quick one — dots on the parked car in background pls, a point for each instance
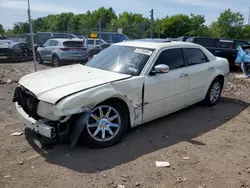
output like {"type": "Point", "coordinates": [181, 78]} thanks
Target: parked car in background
{"type": "Point", "coordinates": [93, 42]}
{"type": "Point", "coordinates": [157, 40]}
{"type": "Point", "coordinates": [128, 84]}
{"type": "Point", "coordinates": [183, 38]}
{"type": "Point", "coordinates": [62, 51]}
{"type": "Point", "coordinates": [220, 47]}
{"type": "Point", "coordinates": [92, 52]}
{"type": "Point", "coordinates": [11, 51]}
{"type": "Point", "coordinates": [42, 37]}
{"type": "Point", "coordinates": [112, 37]}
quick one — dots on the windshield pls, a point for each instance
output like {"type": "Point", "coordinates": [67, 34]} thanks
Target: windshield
{"type": "Point", "coordinates": [122, 59]}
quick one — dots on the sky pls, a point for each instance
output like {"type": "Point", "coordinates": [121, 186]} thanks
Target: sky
{"type": "Point", "coordinates": [12, 11]}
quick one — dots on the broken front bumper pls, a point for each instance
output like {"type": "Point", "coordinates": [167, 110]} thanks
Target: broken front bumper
{"type": "Point", "coordinates": [38, 126]}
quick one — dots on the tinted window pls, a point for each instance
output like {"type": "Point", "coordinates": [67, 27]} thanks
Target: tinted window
{"type": "Point", "coordinates": [206, 42]}
{"type": "Point", "coordinates": [97, 42]}
{"type": "Point", "coordinates": [53, 43]}
{"type": "Point", "coordinates": [194, 56]}
{"type": "Point", "coordinates": [241, 43]}
{"type": "Point", "coordinates": [225, 44]}
{"type": "Point", "coordinates": [173, 58]}
{"type": "Point", "coordinates": [90, 41]}
{"type": "Point", "coordinates": [73, 43]}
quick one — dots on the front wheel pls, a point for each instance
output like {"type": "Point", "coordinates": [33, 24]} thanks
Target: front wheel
{"type": "Point", "coordinates": [106, 126]}
{"type": "Point", "coordinates": [55, 61]}
{"type": "Point", "coordinates": [214, 92]}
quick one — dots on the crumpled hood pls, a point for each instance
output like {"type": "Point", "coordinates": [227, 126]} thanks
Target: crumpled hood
{"type": "Point", "coordinates": [53, 84]}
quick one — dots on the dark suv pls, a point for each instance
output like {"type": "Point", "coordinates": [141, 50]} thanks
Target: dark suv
{"type": "Point", "coordinates": [220, 47]}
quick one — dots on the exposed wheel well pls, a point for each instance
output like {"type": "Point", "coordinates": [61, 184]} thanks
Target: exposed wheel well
{"type": "Point", "coordinates": [221, 77]}
{"type": "Point", "coordinates": [120, 101]}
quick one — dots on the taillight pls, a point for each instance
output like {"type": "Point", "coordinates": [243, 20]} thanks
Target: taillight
{"type": "Point", "coordinates": [67, 49]}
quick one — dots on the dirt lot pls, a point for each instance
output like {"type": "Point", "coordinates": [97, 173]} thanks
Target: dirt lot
{"type": "Point", "coordinates": [215, 144]}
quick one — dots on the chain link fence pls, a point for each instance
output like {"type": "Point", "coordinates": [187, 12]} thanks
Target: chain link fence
{"type": "Point", "coordinates": [15, 35]}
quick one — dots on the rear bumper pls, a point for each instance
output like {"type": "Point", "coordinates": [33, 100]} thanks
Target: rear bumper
{"type": "Point", "coordinates": [36, 126]}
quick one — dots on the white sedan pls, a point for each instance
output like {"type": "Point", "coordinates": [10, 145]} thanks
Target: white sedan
{"type": "Point", "coordinates": [127, 84]}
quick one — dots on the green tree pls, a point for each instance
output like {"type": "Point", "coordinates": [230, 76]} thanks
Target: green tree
{"type": "Point", "coordinates": [197, 27]}
{"type": "Point", "coordinates": [246, 32]}
{"type": "Point", "coordinates": [177, 25]}
{"type": "Point", "coordinates": [229, 24]}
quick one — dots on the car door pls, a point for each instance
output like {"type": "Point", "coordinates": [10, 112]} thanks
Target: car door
{"type": "Point", "coordinates": [43, 51]}
{"type": "Point", "coordinates": [199, 71]}
{"type": "Point", "coordinates": [50, 48]}
{"type": "Point", "coordinates": [166, 92]}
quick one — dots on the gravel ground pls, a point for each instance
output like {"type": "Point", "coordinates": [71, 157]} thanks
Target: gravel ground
{"type": "Point", "coordinates": [206, 147]}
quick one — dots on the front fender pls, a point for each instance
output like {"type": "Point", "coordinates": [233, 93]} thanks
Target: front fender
{"type": "Point", "coordinates": [90, 98]}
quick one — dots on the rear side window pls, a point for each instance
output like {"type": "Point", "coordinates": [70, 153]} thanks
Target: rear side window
{"type": "Point", "coordinates": [225, 44]}
{"type": "Point", "coordinates": [73, 43]}
{"type": "Point", "coordinates": [97, 42]}
{"type": "Point", "coordinates": [90, 41]}
{"type": "Point", "coordinates": [53, 43]}
{"type": "Point", "coordinates": [194, 56]}
{"type": "Point", "coordinates": [206, 42]}
{"type": "Point", "coordinates": [172, 57]}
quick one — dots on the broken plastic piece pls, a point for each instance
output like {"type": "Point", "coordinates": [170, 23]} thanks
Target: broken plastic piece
{"type": "Point", "coordinates": [162, 164]}
{"type": "Point", "coordinates": [17, 134]}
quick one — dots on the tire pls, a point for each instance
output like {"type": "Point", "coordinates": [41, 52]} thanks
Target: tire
{"type": "Point", "coordinates": [55, 61]}
{"type": "Point", "coordinates": [118, 132]}
{"type": "Point", "coordinates": [214, 92]}
{"type": "Point", "coordinates": [39, 59]}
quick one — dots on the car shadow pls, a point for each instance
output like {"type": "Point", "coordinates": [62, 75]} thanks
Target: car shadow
{"type": "Point", "coordinates": [184, 125]}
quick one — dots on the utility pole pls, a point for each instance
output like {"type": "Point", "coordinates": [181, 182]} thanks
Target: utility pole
{"type": "Point", "coordinates": [249, 17]}
{"type": "Point", "coordinates": [100, 33]}
{"type": "Point", "coordinates": [32, 37]}
{"type": "Point", "coordinates": [151, 22]}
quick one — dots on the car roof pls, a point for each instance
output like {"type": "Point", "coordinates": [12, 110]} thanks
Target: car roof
{"type": "Point", "coordinates": [66, 39]}
{"type": "Point", "coordinates": [158, 40]}
{"type": "Point", "coordinates": [156, 45]}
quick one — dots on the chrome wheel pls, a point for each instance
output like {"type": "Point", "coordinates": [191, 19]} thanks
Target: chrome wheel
{"type": "Point", "coordinates": [215, 92]}
{"type": "Point", "coordinates": [104, 123]}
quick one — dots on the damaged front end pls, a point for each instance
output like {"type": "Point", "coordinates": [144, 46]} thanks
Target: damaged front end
{"type": "Point", "coordinates": [42, 117]}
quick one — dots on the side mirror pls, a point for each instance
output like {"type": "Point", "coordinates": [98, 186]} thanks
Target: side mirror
{"type": "Point", "coordinates": [162, 68]}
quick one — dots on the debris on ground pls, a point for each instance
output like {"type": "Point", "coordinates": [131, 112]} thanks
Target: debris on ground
{"type": "Point", "coordinates": [9, 81]}
{"type": "Point", "coordinates": [186, 158]}
{"type": "Point", "coordinates": [17, 134]}
{"type": "Point", "coordinates": [137, 183]}
{"type": "Point", "coordinates": [20, 163]}
{"type": "Point", "coordinates": [202, 186]}
{"type": "Point", "coordinates": [6, 177]}
{"type": "Point", "coordinates": [179, 180]}
{"type": "Point", "coordinates": [32, 167]}
{"type": "Point", "coordinates": [121, 186]}
{"type": "Point", "coordinates": [162, 164]}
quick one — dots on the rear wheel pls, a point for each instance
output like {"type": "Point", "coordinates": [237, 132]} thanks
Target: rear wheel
{"type": "Point", "coordinates": [39, 59]}
{"type": "Point", "coordinates": [106, 126]}
{"type": "Point", "coordinates": [214, 92]}
{"type": "Point", "coordinates": [55, 61]}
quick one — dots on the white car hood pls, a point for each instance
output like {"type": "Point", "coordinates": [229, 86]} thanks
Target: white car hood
{"type": "Point", "coordinates": [54, 84]}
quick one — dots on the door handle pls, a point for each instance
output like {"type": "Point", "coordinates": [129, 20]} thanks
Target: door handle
{"type": "Point", "coordinates": [210, 68]}
{"type": "Point", "coordinates": [217, 51]}
{"type": "Point", "coordinates": [183, 75]}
